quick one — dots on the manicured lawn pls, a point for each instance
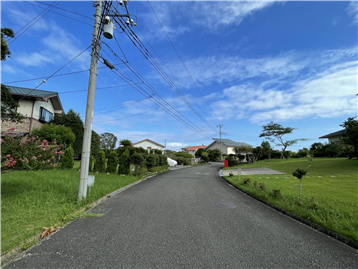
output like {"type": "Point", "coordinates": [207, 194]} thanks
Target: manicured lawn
{"type": "Point", "coordinates": [35, 199]}
{"type": "Point", "coordinates": [329, 190]}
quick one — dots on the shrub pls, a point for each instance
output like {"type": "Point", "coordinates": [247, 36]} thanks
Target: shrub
{"type": "Point", "coordinates": [255, 184]}
{"type": "Point", "coordinates": [199, 153]}
{"type": "Point", "coordinates": [100, 163]}
{"type": "Point", "coordinates": [205, 158]}
{"type": "Point", "coordinates": [30, 154]}
{"type": "Point", "coordinates": [276, 192]}
{"type": "Point", "coordinates": [151, 161]}
{"type": "Point", "coordinates": [233, 162]}
{"type": "Point", "coordinates": [95, 143]}
{"type": "Point", "coordinates": [246, 180]}
{"type": "Point", "coordinates": [162, 160]}
{"type": "Point", "coordinates": [140, 171]}
{"type": "Point", "coordinates": [179, 161]}
{"type": "Point", "coordinates": [52, 132]}
{"type": "Point", "coordinates": [262, 186]}
{"type": "Point", "coordinates": [74, 121]}
{"type": "Point", "coordinates": [67, 161]}
{"type": "Point", "coordinates": [124, 163]}
{"type": "Point", "coordinates": [231, 174]}
{"type": "Point", "coordinates": [112, 162]}
{"type": "Point", "coordinates": [139, 161]}
{"type": "Point", "coordinates": [184, 154]}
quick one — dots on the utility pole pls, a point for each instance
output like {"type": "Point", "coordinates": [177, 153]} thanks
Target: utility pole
{"type": "Point", "coordinates": [221, 153]}
{"type": "Point", "coordinates": [82, 188]}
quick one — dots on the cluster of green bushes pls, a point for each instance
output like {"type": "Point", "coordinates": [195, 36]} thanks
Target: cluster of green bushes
{"type": "Point", "coordinates": [119, 161]}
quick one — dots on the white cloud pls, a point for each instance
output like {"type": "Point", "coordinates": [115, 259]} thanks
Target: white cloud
{"type": "Point", "coordinates": [35, 59]}
{"type": "Point", "coordinates": [327, 94]}
{"type": "Point", "coordinates": [209, 15]}
{"type": "Point", "coordinates": [213, 15]}
{"type": "Point", "coordinates": [352, 11]}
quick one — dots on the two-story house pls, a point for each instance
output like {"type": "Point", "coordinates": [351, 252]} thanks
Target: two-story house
{"type": "Point", "coordinates": [38, 106]}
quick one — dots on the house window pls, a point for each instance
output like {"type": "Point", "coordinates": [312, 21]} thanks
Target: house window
{"type": "Point", "coordinates": [46, 116]}
{"type": "Point", "coordinates": [149, 148]}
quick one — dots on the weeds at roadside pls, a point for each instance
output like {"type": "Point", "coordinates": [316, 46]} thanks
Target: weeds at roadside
{"type": "Point", "coordinates": [246, 180]}
{"type": "Point", "coordinates": [262, 186]}
{"type": "Point", "coordinates": [255, 184]}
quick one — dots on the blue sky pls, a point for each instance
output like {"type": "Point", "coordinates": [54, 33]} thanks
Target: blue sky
{"type": "Point", "coordinates": [239, 64]}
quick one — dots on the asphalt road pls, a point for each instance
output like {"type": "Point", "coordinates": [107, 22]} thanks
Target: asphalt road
{"type": "Point", "coordinates": [172, 221]}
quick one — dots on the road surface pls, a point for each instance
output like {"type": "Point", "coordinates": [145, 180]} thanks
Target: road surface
{"type": "Point", "coordinates": [187, 218]}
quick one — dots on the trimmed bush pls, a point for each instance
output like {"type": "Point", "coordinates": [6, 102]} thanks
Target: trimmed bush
{"type": "Point", "coordinates": [140, 171]}
{"type": "Point", "coordinates": [139, 161]}
{"type": "Point", "coordinates": [112, 162]}
{"type": "Point", "coordinates": [124, 163]}
{"type": "Point", "coordinates": [100, 163]}
{"type": "Point", "coordinates": [184, 154]}
{"type": "Point", "coordinates": [55, 133]}
{"type": "Point", "coordinates": [151, 161]}
{"type": "Point", "coordinates": [205, 158]}
{"type": "Point", "coordinates": [67, 161]}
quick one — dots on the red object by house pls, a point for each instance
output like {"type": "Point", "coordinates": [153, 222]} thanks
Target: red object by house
{"type": "Point", "coordinates": [226, 163]}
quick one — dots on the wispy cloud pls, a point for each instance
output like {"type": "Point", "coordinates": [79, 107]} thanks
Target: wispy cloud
{"type": "Point", "coordinates": [325, 94]}
{"type": "Point", "coordinates": [212, 15]}
{"type": "Point", "coordinates": [352, 11]}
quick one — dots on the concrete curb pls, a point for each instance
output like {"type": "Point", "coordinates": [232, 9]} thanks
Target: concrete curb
{"type": "Point", "coordinates": [351, 243]}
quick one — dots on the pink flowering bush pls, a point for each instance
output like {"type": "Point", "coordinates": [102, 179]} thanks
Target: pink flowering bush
{"type": "Point", "coordinates": [31, 154]}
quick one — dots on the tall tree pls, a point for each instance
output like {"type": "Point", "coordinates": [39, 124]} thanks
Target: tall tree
{"type": "Point", "coordinates": [74, 121]}
{"type": "Point", "coordinates": [274, 133]}
{"type": "Point", "coordinates": [8, 107]}
{"type": "Point", "coordinates": [351, 137]}
{"type": "Point", "coordinates": [266, 148]}
{"type": "Point", "coordinates": [5, 52]}
{"type": "Point", "coordinates": [108, 141]}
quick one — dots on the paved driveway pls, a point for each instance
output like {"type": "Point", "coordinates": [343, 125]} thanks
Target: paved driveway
{"type": "Point", "coordinates": [187, 218]}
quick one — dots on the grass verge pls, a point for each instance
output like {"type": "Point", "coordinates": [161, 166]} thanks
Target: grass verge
{"type": "Point", "coordinates": [329, 192]}
{"type": "Point", "coordinates": [35, 199]}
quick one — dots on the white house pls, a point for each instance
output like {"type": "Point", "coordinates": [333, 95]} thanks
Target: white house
{"type": "Point", "coordinates": [37, 106]}
{"type": "Point", "coordinates": [227, 145]}
{"type": "Point", "coordinates": [148, 145]}
{"type": "Point", "coordinates": [334, 137]}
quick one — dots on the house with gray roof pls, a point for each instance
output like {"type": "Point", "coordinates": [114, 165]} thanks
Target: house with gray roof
{"type": "Point", "coordinates": [334, 137]}
{"type": "Point", "coordinates": [38, 106]}
{"type": "Point", "coordinates": [227, 145]}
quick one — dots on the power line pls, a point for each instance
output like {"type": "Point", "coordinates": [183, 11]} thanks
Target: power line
{"type": "Point", "coordinates": [65, 74]}
{"type": "Point", "coordinates": [59, 13]}
{"type": "Point", "coordinates": [56, 72]}
{"type": "Point", "coordinates": [128, 116]}
{"type": "Point", "coordinates": [163, 74]}
{"type": "Point", "coordinates": [28, 25]}
{"type": "Point", "coordinates": [85, 16]}
{"type": "Point", "coordinates": [181, 59]}
{"type": "Point", "coordinates": [101, 88]}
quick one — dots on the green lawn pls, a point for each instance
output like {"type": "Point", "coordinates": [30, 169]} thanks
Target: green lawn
{"type": "Point", "coordinates": [35, 199]}
{"type": "Point", "coordinates": [331, 182]}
